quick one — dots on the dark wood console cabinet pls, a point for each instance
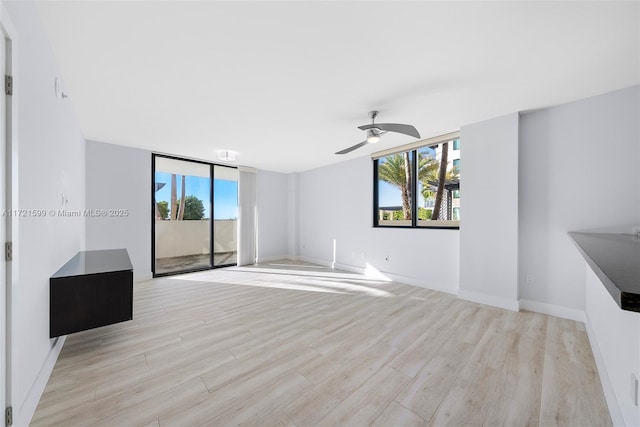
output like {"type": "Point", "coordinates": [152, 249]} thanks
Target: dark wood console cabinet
{"type": "Point", "coordinates": [93, 289]}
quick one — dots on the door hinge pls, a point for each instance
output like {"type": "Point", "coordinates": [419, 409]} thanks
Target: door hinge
{"type": "Point", "coordinates": [8, 416]}
{"type": "Point", "coordinates": [8, 251]}
{"type": "Point", "coordinates": [8, 85]}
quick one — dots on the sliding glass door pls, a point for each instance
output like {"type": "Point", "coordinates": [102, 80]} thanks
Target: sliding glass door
{"type": "Point", "coordinates": [225, 215]}
{"type": "Point", "coordinates": [186, 237]}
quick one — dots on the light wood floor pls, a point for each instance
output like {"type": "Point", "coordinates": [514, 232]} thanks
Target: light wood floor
{"type": "Point", "coordinates": [289, 344]}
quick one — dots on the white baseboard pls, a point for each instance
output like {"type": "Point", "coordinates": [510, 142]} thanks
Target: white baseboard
{"type": "Point", "coordinates": [260, 260]}
{"type": "Point", "coordinates": [23, 416]}
{"type": "Point", "coordinates": [422, 283]}
{"type": "Point", "coordinates": [553, 310]}
{"type": "Point", "coordinates": [492, 300]}
{"type": "Point", "coordinates": [383, 275]}
{"type": "Point", "coordinates": [314, 261]}
{"type": "Point", "coordinates": [355, 269]}
{"type": "Point", "coordinates": [612, 402]}
{"type": "Point", "coordinates": [143, 277]}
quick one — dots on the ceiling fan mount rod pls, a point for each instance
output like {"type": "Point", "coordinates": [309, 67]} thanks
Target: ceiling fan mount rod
{"type": "Point", "coordinates": [372, 115]}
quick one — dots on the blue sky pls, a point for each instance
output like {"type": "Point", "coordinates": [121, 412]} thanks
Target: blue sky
{"type": "Point", "coordinates": [225, 193]}
{"type": "Point", "coordinates": [389, 195]}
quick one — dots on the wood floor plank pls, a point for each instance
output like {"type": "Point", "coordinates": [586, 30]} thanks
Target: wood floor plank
{"type": "Point", "coordinates": [234, 393]}
{"type": "Point", "coordinates": [312, 406]}
{"type": "Point", "coordinates": [416, 355]}
{"type": "Point", "coordinates": [293, 344]}
{"type": "Point", "coordinates": [571, 390]}
{"type": "Point", "coordinates": [468, 402]}
{"type": "Point", "coordinates": [398, 416]}
{"type": "Point", "coordinates": [151, 410]}
{"type": "Point", "coordinates": [431, 384]}
{"type": "Point", "coordinates": [522, 371]}
{"type": "Point", "coordinates": [278, 419]}
{"type": "Point", "coordinates": [364, 405]}
{"type": "Point", "coordinates": [254, 410]}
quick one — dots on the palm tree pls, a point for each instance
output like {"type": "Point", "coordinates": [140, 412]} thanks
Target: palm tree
{"type": "Point", "coordinates": [177, 204]}
{"type": "Point", "coordinates": [174, 197]}
{"type": "Point", "coordinates": [428, 174]}
{"type": "Point", "coordinates": [442, 176]}
{"type": "Point", "coordinates": [396, 170]}
{"type": "Point", "coordinates": [182, 201]}
{"type": "Point", "coordinates": [429, 179]}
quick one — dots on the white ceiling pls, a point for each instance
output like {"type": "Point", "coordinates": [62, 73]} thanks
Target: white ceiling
{"type": "Point", "coordinates": [285, 84]}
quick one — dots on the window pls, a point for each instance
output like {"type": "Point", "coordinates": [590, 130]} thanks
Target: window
{"type": "Point", "coordinates": [394, 189]}
{"type": "Point", "coordinates": [456, 144]}
{"type": "Point", "coordinates": [225, 215]}
{"type": "Point", "coordinates": [418, 186]}
{"type": "Point", "coordinates": [186, 236]}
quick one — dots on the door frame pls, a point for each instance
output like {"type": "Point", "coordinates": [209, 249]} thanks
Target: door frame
{"type": "Point", "coordinates": [8, 282]}
{"type": "Point", "coordinates": [211, 206]}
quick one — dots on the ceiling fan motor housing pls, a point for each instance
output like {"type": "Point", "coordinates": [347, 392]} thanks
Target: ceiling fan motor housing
{"type": "Point", "coordinates": [373, 132]}
{"type": "Point", "coordinates": [373, 135]}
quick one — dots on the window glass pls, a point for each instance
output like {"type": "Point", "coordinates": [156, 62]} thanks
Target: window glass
{"type": "Point", "coordinates": [182, 199]}
{"type": "Point", "coordinates": [394, 189]}
{"type": "Point", "coordinates": [436, 195]}
{"type": "Point", "coordinates": [191, 229]}
{"type": "Point", "coordinates": [432, 173]}
{"type": "Point", "coordinates": [225, 215]}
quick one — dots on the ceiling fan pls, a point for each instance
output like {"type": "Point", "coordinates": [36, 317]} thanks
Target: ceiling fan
{"type": "Point", "coordinates": [376, 130]}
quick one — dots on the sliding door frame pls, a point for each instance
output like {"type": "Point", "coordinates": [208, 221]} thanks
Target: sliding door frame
{"type": "Point", "coordinates": [211, 207]}
{"type": "Point", "coordinates": [213, 177]}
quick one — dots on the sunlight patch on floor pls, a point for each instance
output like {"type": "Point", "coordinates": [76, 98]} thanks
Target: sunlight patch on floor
{"type": "Point", "coordinates": [371, 271]}
{"type": "Point", "coordinates": [326, 281]}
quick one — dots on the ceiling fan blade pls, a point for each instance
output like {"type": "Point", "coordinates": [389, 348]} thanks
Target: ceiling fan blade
{"type": "Point", "coordinates": [393, 127]}
{"type": "Point", "coordinates": [350, 149]}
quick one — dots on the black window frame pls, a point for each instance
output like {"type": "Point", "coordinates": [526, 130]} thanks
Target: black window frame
{"type": "Point", "coordinates": [414, 191]}
{"type": "Point", "coordinates": [153, 216]}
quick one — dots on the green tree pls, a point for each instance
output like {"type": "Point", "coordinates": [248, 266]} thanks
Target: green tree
{"type": "Point", "coordinates": [395, 170]}
{"type": "Point", "coordinates": [174, 197]}
{"type": "Point", "coordinates": [193, 208]}
{"type": "Point", "coordinates": [442, 177]}
{"type": "Point", "coordinates": [182, 201]}
{"type": "Point", "coordinates": [430, 182]}
{"type": "Point", "coordinates": [424, 213]}
{"type": "Point", "coordinates": [163, 209]}
{"type": "Point", "coordinates": [433, 184]}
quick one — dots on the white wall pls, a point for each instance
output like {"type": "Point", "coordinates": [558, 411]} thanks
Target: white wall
{"type": "Point", "coordinates": [614, 335]}
{"type": "Point", "coordinates": [51, 166]}
{"type": "Point", "coordinates": [3, 185]}
{"type": "Point", "coordinates": [293, 229]}
{"type": "Point", "coordinates": [272, 208]}
{"type": "Point", "coordinates": [578, 170]}
{"type": "Point", "coordinates": [120, 178]}
{"type": "Point", "coordinates": [335, 204]}
{"type": "Point", "coordinates": [489, 196]}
